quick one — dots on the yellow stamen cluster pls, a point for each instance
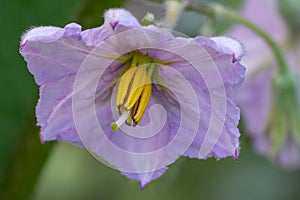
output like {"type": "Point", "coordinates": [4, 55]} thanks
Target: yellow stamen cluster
{"type": "Point", "coordinates": [134, 91]}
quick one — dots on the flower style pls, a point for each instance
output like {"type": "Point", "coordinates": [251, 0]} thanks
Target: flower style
{"type": "Point", "coordinates": [269, 103]}
{"type": "Point", "coordinates": [136, 96]}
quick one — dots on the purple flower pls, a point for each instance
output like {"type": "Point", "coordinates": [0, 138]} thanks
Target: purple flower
{"type": "Point", "coordinates": [270, 114]}
{"type": "Point", "coordinates": [136, 96]}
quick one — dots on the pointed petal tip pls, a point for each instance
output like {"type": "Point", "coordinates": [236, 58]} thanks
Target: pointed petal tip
{"type": "Point", "coordinates": [116, 13]}
{"type": "Point", "coordinates": [119, 16]}
{"type": "Point", "coordinates": [49, 33]}
{"type": "Point", "coordinates": [230, 46]}
{"type": "Point", "coordinates": [72, 30]}
{"type": "Point", "coordinates": [38, 33]}
{"type": "Point", "coordinates": [42, 139]}
{"type": "Point", "coordinates": [142, 185]}
{"type": "Point", "coordinates": [145, 178]}
{"type": "Point", "coordinates": [236, 155]}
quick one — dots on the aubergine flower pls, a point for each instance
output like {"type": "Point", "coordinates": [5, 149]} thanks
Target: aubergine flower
{"type": "Point", "coordinates": [270, 101]}
{"type": "Point", "coordinates": [136, 96]}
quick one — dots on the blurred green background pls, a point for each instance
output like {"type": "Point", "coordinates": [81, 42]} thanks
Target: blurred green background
{"type": "Point", "coordinates": [71, 172]}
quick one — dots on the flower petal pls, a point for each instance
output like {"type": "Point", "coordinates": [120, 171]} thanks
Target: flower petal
{"type": "Point", "coordinates": [53, 53]}
{"type": "Point", "coordinates": [54, 56]}
{"type": "Point", "coordinates": [94, 36]}
{"type": "Point", "coordinates": [54, 112]}
{"type": "Point", "coordinates": [145, 178]}
{"type": "Point", "coordinates": [215, 82]}
{"type": "Point", "coordinates": [120, 19]}
{"type": "Point", "coordinates": [227, 45]}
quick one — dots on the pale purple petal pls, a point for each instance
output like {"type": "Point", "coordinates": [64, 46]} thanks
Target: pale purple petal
{"type": "Point", "coordinates": [54, 56]}
{"type": "Point", "coordinates": [43, 33]}
{"type": "Point", "coordinates": [221, 57]}
{"type": "Point", "coordinates": [121, 19]}
{"type": "Point", "coordinates": [95, 36]}
{"type": "Point", "coordinates": [54, 112]}
{"type": "Point", "coordinates": [228, 46]}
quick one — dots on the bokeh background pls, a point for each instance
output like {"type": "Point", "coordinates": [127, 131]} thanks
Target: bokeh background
{"type": "Point", "coordinates": [30, 170]}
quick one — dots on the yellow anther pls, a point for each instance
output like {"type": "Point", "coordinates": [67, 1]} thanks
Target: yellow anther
{"type": "Point", "coordinates": [125, 83]}
{"type": "Point", "coordinates": [142, 104]}
{"type": "Point", "coordinates": [137, 86]}
{"type": "Point", "coordinates": [134, 91]}
{"type": "Point", "coordinates": [124, 87]}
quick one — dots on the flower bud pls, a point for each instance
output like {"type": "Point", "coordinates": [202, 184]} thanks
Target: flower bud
{"type": "Point", "coordinates": [284, 118]}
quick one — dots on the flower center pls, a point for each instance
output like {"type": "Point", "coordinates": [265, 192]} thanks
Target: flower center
{"type": "Point", "coordinates": [134, 91]}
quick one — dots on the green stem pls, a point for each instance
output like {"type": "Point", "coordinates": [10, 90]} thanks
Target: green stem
{"type": "Point", "coordinates": [220, 11]}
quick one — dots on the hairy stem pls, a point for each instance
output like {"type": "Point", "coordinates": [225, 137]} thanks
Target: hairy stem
{"type": "Point", "coordinates": [216, 10]}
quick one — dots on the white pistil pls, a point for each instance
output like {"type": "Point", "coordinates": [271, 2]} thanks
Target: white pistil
{"type": "Point", "coordinates": [115, 125]}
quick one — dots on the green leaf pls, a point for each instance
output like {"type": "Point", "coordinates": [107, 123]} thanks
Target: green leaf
{"type": "Point", "coordinates": [25, 164]}
{"type": "Point", "coordinates": [19, 92]}
{"type": "Point", "coordinates": [21, 154]}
